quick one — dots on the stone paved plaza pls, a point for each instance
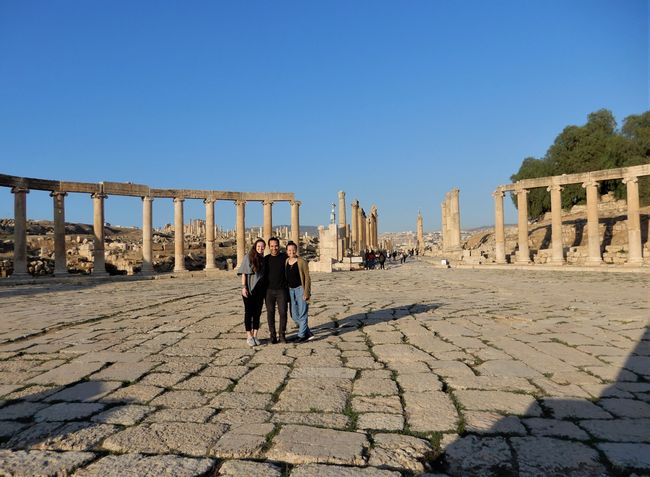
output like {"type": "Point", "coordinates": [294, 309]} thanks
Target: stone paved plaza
{"type": "Point", "coordinates": [416, 370]}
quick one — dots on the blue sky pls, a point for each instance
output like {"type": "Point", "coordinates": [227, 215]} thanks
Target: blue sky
{"type": "Point", "coordinates": [393, 102]}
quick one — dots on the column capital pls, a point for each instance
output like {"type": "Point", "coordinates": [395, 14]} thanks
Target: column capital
{"type": "Point", "coordinates": [341, 194]}
{"type": "Point", "coordinates": [296, 203]}
{"type": "Point", "coordinates": [149, 198]}
{"type": "Point", "coordinates": [240, 202]}
{"type": "Point", "coordinates": [209, 200]}
{"type": "Point", "coordinates": [58, 193]}
{"type": "Point", "coordinates": [498, 193]}
{"type": "Point", "coordinates": [99, 195]}
{"type": "Point", "coordinates": [267, 202]}
{"type": "Point", "coordinates": [179, 199]}
{"type": "Point", "coordinates": [521, 191]}
{"type": "Point", "coordinates": [17, 189]}
{"type": "Point", "coordinates": [355, 204]}
{"type": "Point", "coordinates": [590, 183]}
{"type": "Point", "coordinates": [631, 179]}
{"type": "Point", "coordinates": [555, 187]}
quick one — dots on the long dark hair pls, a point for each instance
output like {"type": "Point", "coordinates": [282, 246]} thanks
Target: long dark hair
{"type": "Point", "coordinates": [254, 258]}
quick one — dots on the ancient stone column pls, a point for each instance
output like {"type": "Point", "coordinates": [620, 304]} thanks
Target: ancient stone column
{"type": "Point", "coordinates": [499, 227]}
{"type": "Point", "coordinates": [60, 267]}
{"type": "Point", "coordinates": [343, 227]}
{"type": "Point", "coordinates": [147, 236]}
{"type": "Point", "coordinates": [361, 229]}
{"type": "Point", "coordinates": [267, 230]}
{"type": "Point", "coordinates": [373, 227]}
{"type": "Point", "coordinates": [593, 235]}
{"type": "Point", "coordinates": [99, 261]}
{"type": "Point", "coordinates": [295, 222]}
{"type": "Point", "coordinates": [241, 230]}
{"type": "Point", "coordinates": [454, 219]}
{"type": "Point", "coordinates": [444, 231]}
{"type": "Point", "coordinates": [20, 232]}
{"type": "Point", "coordinates": [523, 256]}
{"type": "Point", "coordinates": [368, 239]}
{"type": "Point", "coordinates": [635, 256]}
{"type": "Point", "coordinates": [420, 233]}
{"type": "Point", "coordinates": [209, 234]}
{"type": "Point", "coordinates": [179, 236]}
{"type": "Point", "coordinates": [557, 247]}
{"type": "Point", "coordinates": [355, 227]}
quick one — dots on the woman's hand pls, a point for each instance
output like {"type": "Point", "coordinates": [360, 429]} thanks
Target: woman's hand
{"type": "Point", "coordinates": [305, 297]}
{"type": "Point", "coordinates": [244, 292]}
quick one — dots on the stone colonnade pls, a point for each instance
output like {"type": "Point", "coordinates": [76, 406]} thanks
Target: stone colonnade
{"type": "Point", "coordinates": [554, 185]}
{"type": "Point", "coordinates": [364, 232]}
{"type": "Point", "coordinates": [420, 232]}
{"type": "Point", "coordinates": [450, 209]}
{"type": "Point", "coordinates": [20, 187]}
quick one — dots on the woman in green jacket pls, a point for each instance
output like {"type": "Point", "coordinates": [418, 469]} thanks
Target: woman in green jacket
{"type": "Point", "coordinates": [299, 282]}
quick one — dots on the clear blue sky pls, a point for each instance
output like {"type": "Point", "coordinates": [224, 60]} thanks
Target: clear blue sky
{"type": "Point", "coordinates": [393, 102]}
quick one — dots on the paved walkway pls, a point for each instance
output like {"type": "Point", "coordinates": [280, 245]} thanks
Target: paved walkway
{"type": "Point", "coordinates": [415, 371]}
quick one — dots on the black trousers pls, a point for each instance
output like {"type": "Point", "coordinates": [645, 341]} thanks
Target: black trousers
{"type": "Point", "coordinates": [253, 308]}
{"type": "Point", "coordinates": [281, 298]}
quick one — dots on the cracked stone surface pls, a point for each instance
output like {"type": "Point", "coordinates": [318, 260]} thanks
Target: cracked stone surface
{"type": "Point", "coordinates": [545, 373]}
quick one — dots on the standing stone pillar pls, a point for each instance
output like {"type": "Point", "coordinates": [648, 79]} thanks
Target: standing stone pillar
{"type": "Point", "coordinates": [343, 226]}
{"type": "Point", "coordinates": [355, 227]}
{"type": "Point", "coordinates": [99, 260]}
{"type": "Point", "coordinates": [241, 230]}
{"type": "Point", "coordinates": [147, 236]}
{"type": "Point", "coordinates": [635, 254]}
{"type": "Point", "coordinates": [443, 230]}
{"type": "Point", "coordinates": [523, 256]}
{"type": "Point", "coordinates": [454, 219]}
{"type": "Point", "coordinates": [60, 266]}
{"type": "Point", "coordinates": [499, 227]}
{"type": "Point", "coordinates": [267, 230]}
{"type": "Point", "coordinates": [420, 233]}
{"type": "Point", "coordinates": [20, 232]}
{"type": "Point", "coordinates": [295, 222]}
{"type": "Point", "coordinates": [179, 236]}
{"type": "Point", "coordinates": [361, 223]}
{"type": "Point", "coordinates": [209, 234]}
{"type": "Point", "coordinates": [593, 235]}
{"type": "Point", "coordinates": [557, 247]}
{"type": "Point", "coordinates": [373, 228]}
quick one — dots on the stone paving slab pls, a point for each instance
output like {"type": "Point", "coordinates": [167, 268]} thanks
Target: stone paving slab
{"type": "Point", "coordinates": [539, 370]}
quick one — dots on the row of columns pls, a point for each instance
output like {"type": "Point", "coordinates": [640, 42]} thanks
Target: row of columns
{"type": "Point", "coordinates": [99, 268]}
{"type": "Point", "coordinates": [364, 228]}
{"type": "Point", "coordinates": [594, 257]}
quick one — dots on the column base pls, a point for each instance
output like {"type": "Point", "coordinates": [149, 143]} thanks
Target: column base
{"type": "Point", "coordinates": [176, 270]}
{"type": "Point", "coordinates": [635, 262]}
{"type": "Point", "coordinates": [594, 262]}
{"type": "Point", "coordinates": [557, 262]}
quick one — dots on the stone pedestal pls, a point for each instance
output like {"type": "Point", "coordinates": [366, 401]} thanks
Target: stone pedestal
{"type": "Point", "coordinates": [593, 234]}
{"type": "Point", "coordinates": [635, 256]}
{"type": "Point", "coordinates": [179, 236]}
{"type": "Point", "coordinates": [20, 232]}
{"type": "Point", "coordinates": [523, 255]}
{"type": "Point", "coordinates": [209, 234]}
{"type": "Point", "coordinates": [99, 260]}
{"type": "Point", "coordinates": [241, 230]}
{"type": "Point", "coordinates": [147, 236]}
{"type": "Point", "coordinates": [499, 227]}
{"type": "Point", "coordinates": [557, 247]}
{"type": "Point", "coordinates": [60, 258]}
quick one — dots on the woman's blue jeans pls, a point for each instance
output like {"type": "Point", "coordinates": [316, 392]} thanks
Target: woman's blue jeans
{"type": "Point", "coordinates": [299, 309]}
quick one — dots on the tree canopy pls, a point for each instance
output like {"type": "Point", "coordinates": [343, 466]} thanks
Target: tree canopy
{"type": "Point", "coordinates": [596, 145]}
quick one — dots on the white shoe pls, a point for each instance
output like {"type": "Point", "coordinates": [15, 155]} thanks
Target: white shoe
{"type": "Point", "coordinates": [257, 342]}
{"type": "Point", "coordinates": [250, 341]}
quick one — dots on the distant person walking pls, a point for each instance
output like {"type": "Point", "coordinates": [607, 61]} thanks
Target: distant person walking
{"type": "Point", "coordinates": [253, 289]}
{"type": "Point", "coordinates": [277, 292]}
{"type": "Point", "coordinates": [299, 282]}
{"type": "Point", "coordinates": [382, 260]}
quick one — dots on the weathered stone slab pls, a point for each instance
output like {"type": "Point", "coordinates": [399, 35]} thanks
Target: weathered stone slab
{"type": "Point", "coordinates": [509, 367]}
{"type": "Point", "coordinates": [204, 384]}
{"type": "Point", "coordinates": [242, 468]}
{"type": "Point", "coordinates": [619, 430]}
{"type": "Point", "coordinates": [245, 441]}
{"type": "Point", "coordinates": [317, 394]}
{"type": "Point", "coordinates": [85, 391]}
{"type": "Point", "coordinates": [238, 417]}
{"type": "Point", "coordinates": [575, 408]}
{"type": "Point", "coordinates": [265, 378]}
{"type": "Point", "coordinates": [330, 420]}
{"type": "Point", "coordinates": [627, 456]}
{"type": "Point", "coordinates": [630, 408]}
{"type": "Point", "coordinates": [20, 410]}
{"type": "Point", "coordinates": [227, 372]}
{"type": "Point", "coordinates": [510, 403]}
{"type": "Point", "coordinates": [492, 423]}
{"type": "Point", "coordinates": [200, 414]}
{"type": "Point", "coordinates": [400, 452]}
{"type": "Point", "coordinates": [302, 444]}
{"type": "Point", "coordinates": [479, 456]}
{"type": "Point", "coordinates": [320, 470]}
{"type": "Point", "coordinates": [383, 404]}
{"type": "Point", "coordinates": [136, 393]}
{"type": "Point", "coordinates": [400, 353]}
{"type": "Point", "coordinates": [362, 362]}
{"type": "Point", "coordinates": [66, 374]}
{"type": "Point", "coordinates": [371, 387]}
{"type": "Point", "coordinates": [163, 380]}
{"type": "Point", "coordinates": [124, 371]}
{"type": "Point", "coordinates": [181, 399]}
{"type": "Point", "coordinates": [123, 415]}
{"type": "Point", "coordinates": [76, 436]}
{"type": "Point", "coordinates": [138, 465]}
{"type": "Point", "coordinates": [165, 438]}
{"type": "Point", "coordinates": [430, 412]}
{"type": "Point", "coordinates": [544, 456]}
{"type": "Point", "coordinates": [380, 421]}
{"type": "Point", "coordinates": [42, 463]}
{"type": "Point", "coordinates": [419, 382]}
{"type": "Point", "coordinates": [67, 411]}
{"type": "Point", "coordinates": [235, 400]}
{"type": "Point", "coordinates": [339, 372]}
{"type": "Point", "coordinates": [10, 428]}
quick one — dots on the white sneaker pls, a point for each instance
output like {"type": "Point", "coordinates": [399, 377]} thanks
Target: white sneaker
{"type": "Point", "coordinates": [250, 341]}
{"type": "Point", "coordinates": [257, 342]}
